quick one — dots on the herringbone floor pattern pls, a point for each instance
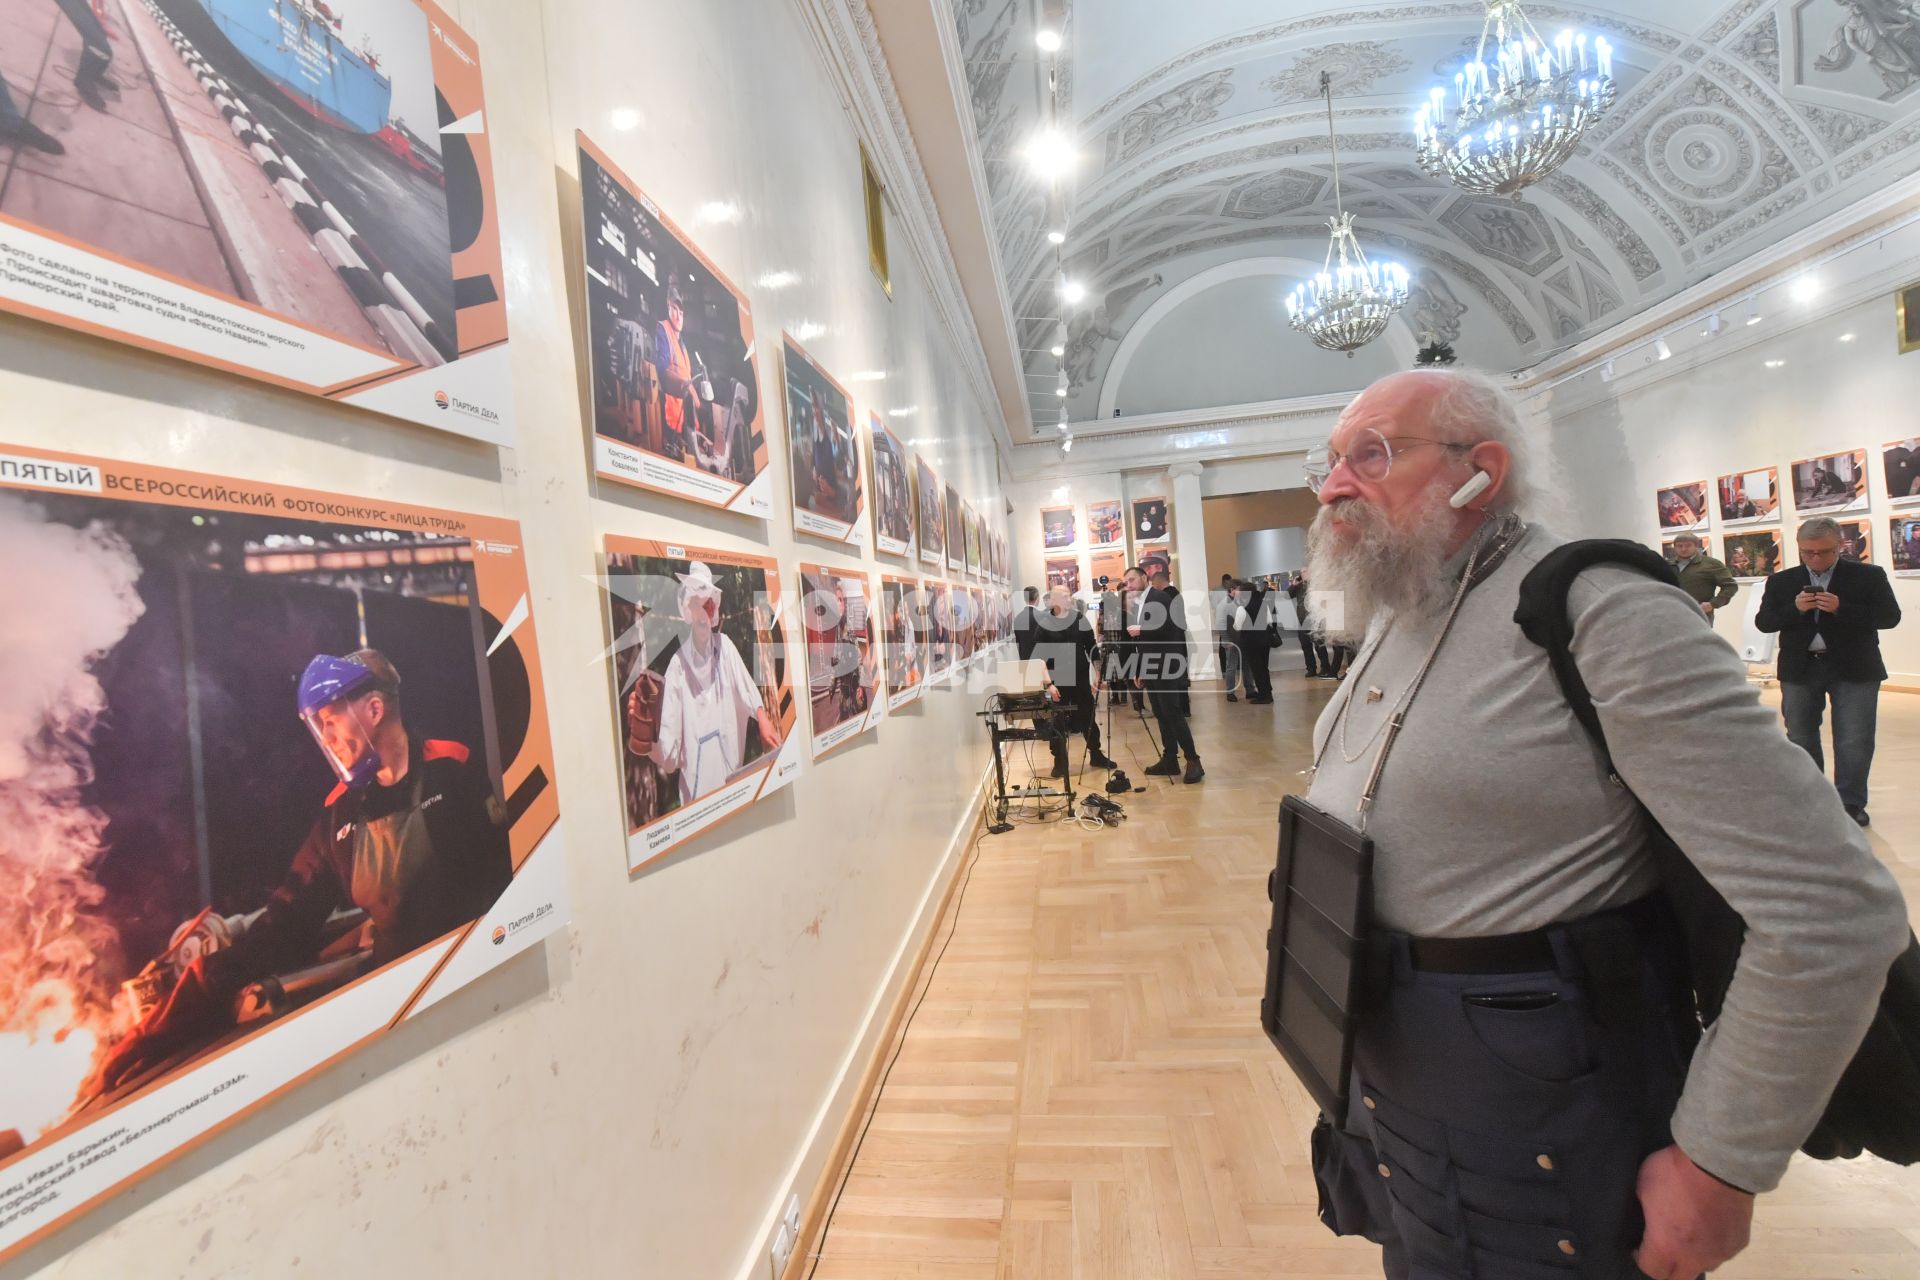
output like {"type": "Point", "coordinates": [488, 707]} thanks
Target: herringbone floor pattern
{"type": "Point", "coordinates": [1085, 1093]}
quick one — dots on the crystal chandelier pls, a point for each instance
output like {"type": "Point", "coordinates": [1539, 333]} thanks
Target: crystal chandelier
{"type": "Point", "coordinates": [1345, 307]}
{"type": "Point", "coordinates": [1517, 115]}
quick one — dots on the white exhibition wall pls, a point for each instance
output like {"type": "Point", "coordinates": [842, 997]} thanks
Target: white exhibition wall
{"type": "Point", "coordinates": [641, 1096]}
{"type": "Point", "coordinates": [1609, 447]}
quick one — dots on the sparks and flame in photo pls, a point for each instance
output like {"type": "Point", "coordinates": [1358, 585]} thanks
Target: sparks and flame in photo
{"type": "Point", "coordinates": [66, 598]}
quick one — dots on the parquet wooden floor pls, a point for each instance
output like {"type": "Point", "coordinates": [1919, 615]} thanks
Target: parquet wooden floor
{"type": "Point", "coordinates": [1085, 1093]}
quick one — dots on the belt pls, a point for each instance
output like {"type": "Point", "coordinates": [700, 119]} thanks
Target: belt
{"type": "Point", "coordinates": [1529, 952]}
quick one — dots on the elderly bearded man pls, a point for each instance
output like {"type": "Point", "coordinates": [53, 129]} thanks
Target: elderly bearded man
{"type": "Point", "coordinates": [1521, 1098]}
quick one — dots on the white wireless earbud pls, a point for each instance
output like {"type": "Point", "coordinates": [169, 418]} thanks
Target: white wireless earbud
{"type": "Point", "coordinates": [1472, 489]}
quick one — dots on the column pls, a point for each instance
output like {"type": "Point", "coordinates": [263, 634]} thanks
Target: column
{"type": "Point", "coordinates": [1191, 573]}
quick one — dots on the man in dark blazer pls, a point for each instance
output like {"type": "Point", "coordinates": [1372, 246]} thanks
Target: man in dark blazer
{"type": "Point", "coordinates": [1829, 614]}
{"type": "Point", "coordinates": [1165, 668]}
{"type": "Point", "coordinates": [1025, 634]}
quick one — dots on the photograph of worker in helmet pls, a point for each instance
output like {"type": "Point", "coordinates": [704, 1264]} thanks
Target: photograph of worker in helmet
{"type": "Point", "coordinates": [827, 497]}
{"type": "Point", "coordinates": [676, 396]}
{"type": "Point", "coordinates": [701, 669]}
{"type": "Point", "coordinates": [247, 759]}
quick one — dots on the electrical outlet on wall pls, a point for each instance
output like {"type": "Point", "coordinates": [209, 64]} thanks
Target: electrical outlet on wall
{"type": "Point", "coordinates": [782, 1250]}
{"type": "Point", "coordinates": [793, 1215]}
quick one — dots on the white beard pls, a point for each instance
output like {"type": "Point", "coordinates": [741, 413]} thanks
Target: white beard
{"type": "Point", "coordinates": [1378, 568]}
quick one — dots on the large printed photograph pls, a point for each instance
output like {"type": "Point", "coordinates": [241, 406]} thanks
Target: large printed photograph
{"type": "Point", "coordinates": [676, 394]}
{"type": "Point", "coordinates": [843, 655]}
{"type": "Point", "coordinates": [931, 523]}
{"type": "Point", "coordinates": [1150, 520]}
{"type": "Point", "coordinates": [1105, 528]}
{"type": "Point", "coordinates": [703, 685]}
{"type": "Point", "coordinates": [902, 624]}
{"type": "Point", "coordinates": [1750, 497]}
{"type": "Point", "coordinates": [936, 599]}
{"type": "Point", "coordinates": [1833, 483]}
{"type": "Point", "coordinates": [956, 532]}
{"type": "Point", "coordinates": [892, 490]}
{"type": "Point", "coordinates": [827, 498]}
{"type": "Point", "coordinates": [1905, 536]}
{"type": "Point", "coordinates": [1900, 464]}
{"type": "Point", "coordinates": [294, 190]}
{"type": "Point", "coordinates": [1683, 506]}
{"type": "Point", "coordinates": [258, 747]}
{"type": "Point", "coordinates": [1753, 556]}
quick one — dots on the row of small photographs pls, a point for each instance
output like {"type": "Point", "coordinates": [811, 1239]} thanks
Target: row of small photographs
{"type": "Point", "coordinates": [1064, 571]}
{"type": "Point", "coordinates": [1754, 555]}
{"type": "Point", "coordinates": [1828, 485]}
{"type": "Point", "coordinates": [677, 407]}
{"type": "Point", "coordinates": [689, 621]}
{"type": "Point", "coordinates": [1059, 526]}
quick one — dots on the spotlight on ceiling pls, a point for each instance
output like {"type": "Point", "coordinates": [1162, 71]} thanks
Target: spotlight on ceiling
{"type": "Point", "coordinates": [1048, 39]}
{"type": "Point", "coordinates": [1712, 329]}
{"type": "Point", "coordinates": [1846, 337]}
{"type": "Point", "coordinates": [1056, 236]}
{"type": "Point", "coordinates": [1776, 364]}
{"type": "Point", "coordinates": [1051, 153]}
{"type": "Point", "coordinates": [1661, 351]}
{"type": "Point", "coordinates": [1606, 372]}
{"type": "Point", "coordinates": [1066, 445]}
{"type": "Point", "coordinates": [1753, 314]}
{"type": "Point", "coordinates": [1072, 292]}
{"type": "Point", "coordinates": [1806, 289]}
{"type": "Point", "coordinates": [1057, 349]}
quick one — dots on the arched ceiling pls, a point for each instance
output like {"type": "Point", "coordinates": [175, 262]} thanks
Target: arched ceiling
{"type": "Point", "coordinates": [1203, 141]}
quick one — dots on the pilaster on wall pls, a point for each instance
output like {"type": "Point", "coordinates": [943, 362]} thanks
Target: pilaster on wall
{"type": "Point", "coordinates": [1189, 519]}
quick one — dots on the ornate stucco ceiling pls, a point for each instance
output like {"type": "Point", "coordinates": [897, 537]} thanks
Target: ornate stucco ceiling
{"type": "Point", "coordinates": [1204, 161]}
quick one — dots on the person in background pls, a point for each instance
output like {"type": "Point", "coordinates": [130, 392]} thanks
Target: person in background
{"type": "Point", "coordinates": [1064, 641]}
{"type": "Point", "coordinates": [1311, 645]}
{"type": "Point", "coordinates": [1829, 614]}
{"type": "Point", "coordinates": [1166, 670]}
{"type": "Point", "coordinates": [1252, 636]}
{"type": "Point", "coordinates": [1707, 580]}
{"type": "Point", "coordinates": [1525, 1052]}
{"type": "Point", "coordinates": [1023, 623]}
{"type": "Point", "coordinates": [1225, 637]}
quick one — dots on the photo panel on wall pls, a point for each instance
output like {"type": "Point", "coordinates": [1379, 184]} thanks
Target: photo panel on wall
{"type": "Point", "coordinates": [1900, 463]}
{"type": "Point", "coordinates": [1905, 540]}
{"type": "Point", "coordinates": [936, 599]}
{"type": "Point", "coordinates": [670, 344]}
{"type": "Point", "coordinates": [1063, 571]}
{"type": "Point", "coordinates": [1682, 507]}
{"type": "Point", "coordinates": [892, 477]}
{"type": "Point", "coordinates": [956, 532]}
{"type": "Point", "coordinates": [1058, 528]}
{"type": "Point", "coordinates": [931, 525]}
{"type": "Point", "coordinates": [823, 447]}
{"type": "Point", "coordinates": [1110, 564]}
{"type": "Point", "coordinates": [970, 521]}
{"type": "Point", "coordinates": [843, 656]}
{"type": "Point", "coordinates": [1105, 526]}
{"type": "Point", "coordinates": [317, 232]}
{"type": "Point", "coordinates": [703, 684]}
{"type": "Point", "coordinates": [1830, 484]}
{"type": "Point", "coordinates": [903, 631]}
{"type": "Point", "coordinates": [208, 745]}
{"type": "Point", "coordinates": [1150, 522]}
{"type": "Point", "coordinates": [1755, 555]}
{"type": "Point", "coordinates": [1749, 497]}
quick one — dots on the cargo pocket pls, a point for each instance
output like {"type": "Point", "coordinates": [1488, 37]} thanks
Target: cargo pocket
{"type": "Point", "coordinates": [1518, 1215]}
{"type": "Point", "coordinates": [1417, 1180]}
{"type": "Point", "coordinates": [1343, 1173]}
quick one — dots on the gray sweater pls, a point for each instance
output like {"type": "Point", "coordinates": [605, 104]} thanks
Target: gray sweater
{"type": "Point", "coordinates": [1495, 816]}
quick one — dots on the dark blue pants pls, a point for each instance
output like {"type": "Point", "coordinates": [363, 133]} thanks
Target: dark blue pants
{"type": "Point", "coordinates": [1856, 709]}
{"type": "Point", "coordinates": [1499, 1123]}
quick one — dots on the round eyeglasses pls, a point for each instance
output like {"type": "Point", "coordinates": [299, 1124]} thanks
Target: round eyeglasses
{"type": "Point", "coordinates": [1370, 456]}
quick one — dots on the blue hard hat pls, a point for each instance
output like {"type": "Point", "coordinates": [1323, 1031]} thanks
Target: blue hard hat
{"type": "Point", "coordinates": [328, 679]}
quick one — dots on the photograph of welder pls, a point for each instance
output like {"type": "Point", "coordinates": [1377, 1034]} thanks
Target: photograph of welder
{"type": "Point", "coordinates": [932, 523]}
{"type": "Point", "coordinates": [956, 531]}
{"type": "Point", "coordinates": [843, 654]}
{"type": "Point", "coordinates": [1149, 520]}
{"type": "Point", "coordinates": [892, 490]}
{"type": "Point", "coordinates": [1063, 571]}
{"type": "Point", "coordinates": [670, 342]}
{"type": "Point", "coordinates": [905, 640]}
{"type": "Point", "coordinates": [937, 599]}
{"type": "Point", "coordinates": [245, 759]}
{"type": "Point", "coordinates": [1105, 528]}
{"type": "Point", "coordinates": [827, 499]}
{"type": "Point", "coordinates": [327, 195]}
{"type": "Point", "coordinates": [700, 670]}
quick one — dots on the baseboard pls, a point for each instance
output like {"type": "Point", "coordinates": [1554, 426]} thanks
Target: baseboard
{"type": "Point", "coordinates": [829, 1141]}
{"type": "Point", "coordinates": [1901, 682]}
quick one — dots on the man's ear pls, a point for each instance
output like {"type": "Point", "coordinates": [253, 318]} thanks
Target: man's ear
{"type": "Point", "coordinates": [1497, 461]}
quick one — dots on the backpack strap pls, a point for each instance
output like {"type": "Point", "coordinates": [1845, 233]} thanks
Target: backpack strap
{"type": "Point", "coordinates": [1542, 615]}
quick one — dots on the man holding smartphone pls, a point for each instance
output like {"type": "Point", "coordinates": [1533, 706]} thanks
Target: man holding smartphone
{"type": "Point", "coordinates": [1829, 613]}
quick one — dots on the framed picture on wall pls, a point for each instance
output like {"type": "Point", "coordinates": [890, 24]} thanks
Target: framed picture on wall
{"type": "Point", "coordinates": [1835, 482]}
{"type": "Point", "coordinates": [1749, 497]}
{"type": "Point", "coordinates": [1900, 463]}
{"type": "Point", "coordinates": [1110, 564]}
{"type": "Point", "coordinates": [1149, 519]}
{"type": "Point", "coordinates": [1906, 310]}
{"type": "Point", "coordinates": [1063, 571]}
{"type": "Point", "coordinates": [956, 532]}
{"type": "Point", "coordinates": [843, 656]}
{"type": "Point", "coordinates": [892, 490]}
{"type": "Point", "coordinates": [1105, 527]}
{"type": "Point", "coordinates": [1058, 527]}
{"type": "Point", "coordinates": [970, 520]}
{"type": "Point", "coordinates": [932, 523]}
{"type": "Point", "coordinates": [936, 599]}
{"type": "Point", "coordinates": [825, 453]}
{"type": "Point", "coordinates": [901, 633]}
{"type": "Point", "coordinates": [1905, 540]}
{"type": "Point", "coordinates": [1856, 541]}
{"type": "Point", "coordinates": [1684, 506]}
{"type": "Point", "coordinates": [1753, 555]}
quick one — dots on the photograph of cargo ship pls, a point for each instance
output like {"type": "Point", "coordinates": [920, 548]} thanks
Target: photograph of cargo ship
{"type": "Point", "coordinates": [285, 153]}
